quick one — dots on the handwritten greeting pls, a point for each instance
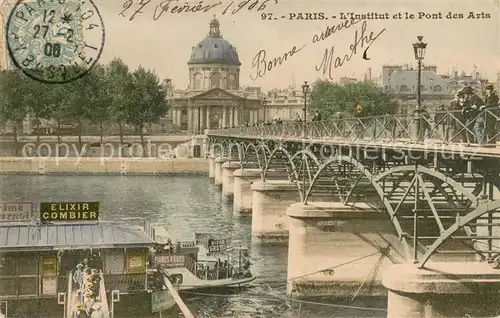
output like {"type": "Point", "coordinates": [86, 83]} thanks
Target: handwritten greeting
{"type": "Point", "coordinates": [362, 40]}
{"type": "Point", "coordinates": [135, 8]}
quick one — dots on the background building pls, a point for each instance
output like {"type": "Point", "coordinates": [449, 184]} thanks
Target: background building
{"type": "Point", "coordinates": [286, 104]}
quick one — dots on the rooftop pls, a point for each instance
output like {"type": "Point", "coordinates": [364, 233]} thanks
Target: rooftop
{"type": "Point", "coordinates": [82, 235]}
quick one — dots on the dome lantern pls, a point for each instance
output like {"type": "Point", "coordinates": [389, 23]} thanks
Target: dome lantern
{"type": "Point", "coordinates": [214, 28]}
{"type": "Point", "coordinates": [214, 49]}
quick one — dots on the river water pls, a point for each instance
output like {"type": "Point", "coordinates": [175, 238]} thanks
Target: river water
{"type": "Point", "coordinates": [184, 205]}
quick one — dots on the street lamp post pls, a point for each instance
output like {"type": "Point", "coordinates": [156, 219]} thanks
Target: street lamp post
{"type": "Point", "coordinates": [305, 90]}
{"type": "Point", "coordinates": [264, 103]}
{"type": "Point", "coordinates": [419, 50]}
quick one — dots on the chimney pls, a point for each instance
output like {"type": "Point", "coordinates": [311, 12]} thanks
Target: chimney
{"type": "Point", "coordinates": [477, 75]}
{"type": "Point", "coordinates": [370, 74]}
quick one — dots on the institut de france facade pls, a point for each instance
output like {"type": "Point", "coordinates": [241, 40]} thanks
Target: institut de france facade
{"type": "Point", "coordinates": [214, 98]}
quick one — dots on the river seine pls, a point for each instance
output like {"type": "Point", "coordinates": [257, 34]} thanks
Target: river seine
{"type": "Point", "coordinates": [184, 205]}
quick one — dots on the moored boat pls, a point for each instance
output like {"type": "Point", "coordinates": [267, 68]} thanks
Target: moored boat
{"type": "Point", "coordinates": [195, 270]}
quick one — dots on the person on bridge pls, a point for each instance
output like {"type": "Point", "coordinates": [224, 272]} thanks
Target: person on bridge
{"type": "Point", "coordinates": [317, 116]}
{"type": "Point", "coordinates": [492, 113]}
{"type": "Point", "coordinates": [457, 121]}
{"type": "Point", "coordinates": [470, 109]}
{"type": "Point", "coordinates": [359, 112]}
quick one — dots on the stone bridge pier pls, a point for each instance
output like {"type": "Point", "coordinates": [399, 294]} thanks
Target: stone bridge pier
{"type": "Point", "coordinates": [339, 250]}
{"type": "Point", "coordinates": [270, 200]}
{"type": "Point", "coordinates": [243, 196]}
{"type": "Point", "coordinates": [443, 289]}
{"type": "Point", "coordinates": [228, 169]}
{"type": "Point", "coordinates": [218, 162]}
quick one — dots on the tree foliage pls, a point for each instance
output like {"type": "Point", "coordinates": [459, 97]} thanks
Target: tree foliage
{"type": "Point", "coordinates": [107, 94]}
{"type": "Point", "coordinates": [329, 98]}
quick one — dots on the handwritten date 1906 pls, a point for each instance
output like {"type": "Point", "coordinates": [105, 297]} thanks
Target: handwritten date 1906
{"type": "Point", "coordinates": [175, 7]}
{"type": "Point", "coordinates": [361, 41]}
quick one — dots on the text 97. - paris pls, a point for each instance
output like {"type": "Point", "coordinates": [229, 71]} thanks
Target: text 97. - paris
{"type": "Point", "coordinates": [295, 16]}
{"type": "Point", "coordinates": [57, 41]}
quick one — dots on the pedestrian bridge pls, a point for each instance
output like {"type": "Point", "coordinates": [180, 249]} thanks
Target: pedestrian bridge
{"type": "Point", "coordinates": [427, 172]}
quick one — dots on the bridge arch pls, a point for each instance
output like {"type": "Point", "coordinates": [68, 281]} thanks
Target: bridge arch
{"type": "Point", "coordinates": [280, 149]}
{"type": "Point", "coordinates": [421, 195]}
{"type": "Point", "coordinates": [460, 222]}
{"type": "Point", "coordinates": [235, 151]}
{"type": "Point", "coordinates": [217, 149]}
{"type": "Point", "coordinates": [254, 154]}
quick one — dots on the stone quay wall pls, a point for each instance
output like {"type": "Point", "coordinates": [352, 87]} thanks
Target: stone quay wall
{"type": "Point", "coordinates": [103, 166]}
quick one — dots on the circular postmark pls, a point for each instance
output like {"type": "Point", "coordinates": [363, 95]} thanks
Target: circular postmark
{"type": "Point", "coordinates": [55, 41]}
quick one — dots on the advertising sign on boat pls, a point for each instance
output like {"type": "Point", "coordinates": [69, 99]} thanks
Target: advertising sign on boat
{"type": "Point", "coordinates": [16, 211]}
{"type": "Point", "coordinates": [69, 211]}
{"type": "Point", "coordinates": [217, 246]}
{"type": "Point", "coordinates": [169, 260]}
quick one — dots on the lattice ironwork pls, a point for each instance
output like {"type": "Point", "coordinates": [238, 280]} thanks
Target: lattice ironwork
{"type": "Point", "coordinates": [440, 127]}
{"type": "Point", "coordinates": [437, 204]}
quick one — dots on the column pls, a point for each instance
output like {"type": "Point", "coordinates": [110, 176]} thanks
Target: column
{"type": "Point", "coordinates": [256, 115]}
{"type": "Point", "coordinates": [224, 116]}
{"type": "Point", "coordinates": [237, 117]}
{"type": "Point", "coordinates": [201, 119]}
{"type": "Point", "coordinates": [231, 116]}
{"type": "Point", "coordinates": [251, 117]}
{"type": "Point", "coordinates": [324, 233]}
{"type": "Point", "coordinates": [442, 289]}
{"type": "Point", "coordinates": [208, 119]}
{"type": "Point", "coordinates": [190, 119]}
{"type": "Point", "coordinates": [196, 119]}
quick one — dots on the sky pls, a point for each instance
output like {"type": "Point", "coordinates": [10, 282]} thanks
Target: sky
{"type": "Point", "coordinates": [165, 44]}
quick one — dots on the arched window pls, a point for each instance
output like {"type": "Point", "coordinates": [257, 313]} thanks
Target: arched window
{"type": "Point", "coordinates": [438, 88]}
{"type": "Point", "coordinates": [215, 80]}
{"type": "Point", "coordinates": [197, 81]}
{"type": "Point", "coordinates": [404, 88]}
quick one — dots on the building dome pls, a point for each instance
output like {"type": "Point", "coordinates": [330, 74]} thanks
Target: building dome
{"type": "Point", "coordinates": [214, 49]}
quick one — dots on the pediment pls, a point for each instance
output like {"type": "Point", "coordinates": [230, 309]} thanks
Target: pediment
{"type": "Point", "coordinates": [217, 93]}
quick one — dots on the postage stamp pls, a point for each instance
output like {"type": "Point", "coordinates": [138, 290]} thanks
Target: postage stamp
{"type": "Point", "coordinates": [55, 41]}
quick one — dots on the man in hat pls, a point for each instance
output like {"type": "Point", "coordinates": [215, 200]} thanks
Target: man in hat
{"type": "Point", "coordinates": [78, 276]}
{"type": "Point", "coordinates": [359, 113]}
{"type": "Point", "coordinates": [470, 109]}
{"type": "Point", "coordinates": [492, 113]}
{"type": "Point", "coordinates": [457, 121]}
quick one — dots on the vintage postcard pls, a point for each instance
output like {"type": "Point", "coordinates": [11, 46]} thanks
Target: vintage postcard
{"type": "Point", "coordinates": [249, 158]}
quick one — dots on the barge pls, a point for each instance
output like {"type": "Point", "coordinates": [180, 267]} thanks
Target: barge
{"type": "Point", "coordinates": [38, 261]}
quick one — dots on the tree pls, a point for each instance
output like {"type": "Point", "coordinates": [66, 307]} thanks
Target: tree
{"type": "Point", "coordinates": [12, 100]}
{"type": "Point", "coordinates": [100, 106]}
{"type": "Point", "coordinates": [328, 98]}
{"type": "Point", "coordinates": [37, 102]}
{"type": "Point", "coordinates": [59, 103]}
{"type": "Point", "coordinates": [120, 84]}
{"type": "Point", "coordinates": [148, 100]}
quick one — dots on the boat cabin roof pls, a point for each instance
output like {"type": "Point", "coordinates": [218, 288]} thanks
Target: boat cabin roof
{"type": "Point", "coordinates": [37, 236]}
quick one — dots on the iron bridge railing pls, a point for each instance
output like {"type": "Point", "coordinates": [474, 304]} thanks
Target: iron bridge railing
{"type": "Point", "coordinates": [442, 127]}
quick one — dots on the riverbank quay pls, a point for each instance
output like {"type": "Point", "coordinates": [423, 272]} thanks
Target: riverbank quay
{"type": "Point", "coordinates": [104, 166]}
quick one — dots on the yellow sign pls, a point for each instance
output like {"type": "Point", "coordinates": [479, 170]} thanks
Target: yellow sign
{"type": "Point", "coordinates": [69, 211]}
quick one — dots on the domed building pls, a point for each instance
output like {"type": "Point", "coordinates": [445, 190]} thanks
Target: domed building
{"type": "Point", "coordinates": [214, 98]}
